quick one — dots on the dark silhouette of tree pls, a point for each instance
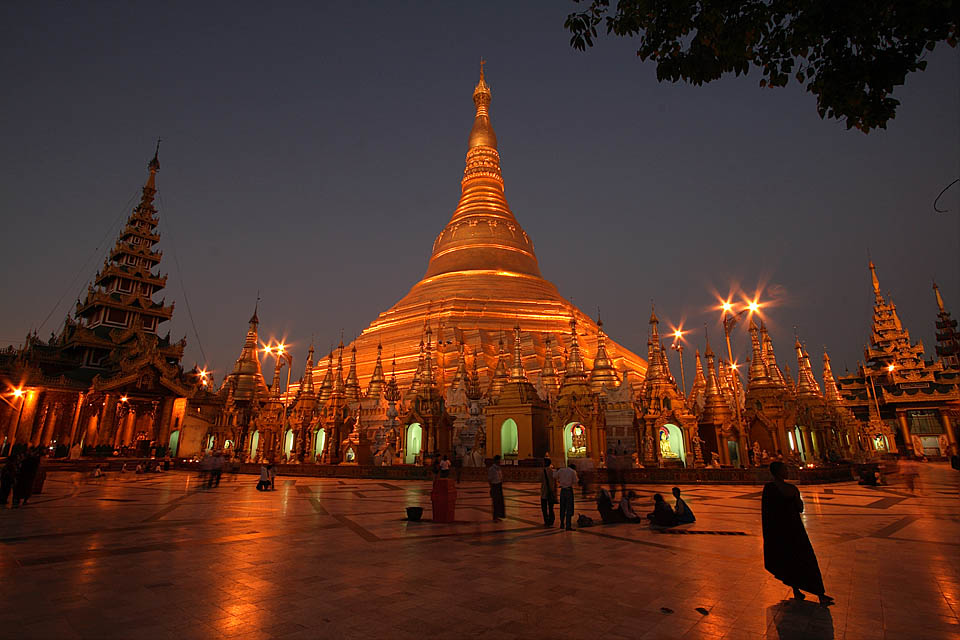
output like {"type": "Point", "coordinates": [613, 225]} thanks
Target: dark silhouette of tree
{"type": "Point", "coordinates": [850, 54]}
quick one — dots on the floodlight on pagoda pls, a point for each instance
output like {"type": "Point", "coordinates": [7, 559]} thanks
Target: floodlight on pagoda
{"type": "Point", "coordinates": [726, 306]}
{"type": "Point", "coordinates": [890, 368]}
{"type": "Point", "coordinates": [124, 398]}
{"type": "Point", "coordinates": [18, 392]}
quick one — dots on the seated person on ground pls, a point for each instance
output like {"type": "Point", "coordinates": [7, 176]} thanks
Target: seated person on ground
{"type": "Point", "coordinates": [608, 514]}
{"type": "Point", "coordinates": [662, 515]}
{"type": "Point", "coordinates": [683, 513]}
{"type": "Point", "coordinates": [626, 509]}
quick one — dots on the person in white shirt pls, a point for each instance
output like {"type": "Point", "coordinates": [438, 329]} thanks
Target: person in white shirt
{"type": "Point", "coordinates": [445, 467]}
{"type": "Point", "coordinates": [567, 480]}
{"type": "Point", "coordinates": [495, 478]}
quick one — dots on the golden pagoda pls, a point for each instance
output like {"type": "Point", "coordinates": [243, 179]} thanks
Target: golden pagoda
{"type": "Point", "coordinates": [483, 278]}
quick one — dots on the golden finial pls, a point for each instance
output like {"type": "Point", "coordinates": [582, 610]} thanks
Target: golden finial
{"type": "Point", "coordinates": [482, 134]}
{"type": "Point", "coordinates": [936, 291]}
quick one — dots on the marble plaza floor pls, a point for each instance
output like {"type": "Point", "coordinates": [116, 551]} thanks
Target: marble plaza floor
{"type": "Point", "coordinates": [153, 557]}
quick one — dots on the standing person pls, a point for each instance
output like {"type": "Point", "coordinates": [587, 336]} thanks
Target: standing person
{"type": "Point", "coordinates": [567, 480]}
{"type": "Point", "coordinates": [445, 467]}
{"type": "Point", "coordinates": [548, 493]}
{"type": "Point", "coordinates": [458, 466]}
{"type": "Point", "coordinates": [23, 487]}
{"type": "Point", "coordinates": [787, 552]}
{"type": "Point", "coordinates": [495, 478]}
{"type": "Point", "coordinates": [273, 476]}
{"type": "Point", "coordinates": [216, 469]}
{"type": "Point", "coordinates": [8, 477]}
{"type": "Point", "coordinates": [684, 514]}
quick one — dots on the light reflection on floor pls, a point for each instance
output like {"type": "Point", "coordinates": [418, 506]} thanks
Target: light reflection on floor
{"type": "Point", "coordinates": [156, 557]}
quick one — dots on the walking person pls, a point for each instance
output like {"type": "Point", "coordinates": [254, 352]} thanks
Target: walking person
{"type": "Point", "coordinates": [567, 480]}
{"type": "Point", "coordinates": [787, 552]}
{"type": "Point", "coordinates": [495, 478]}
{"type": "Point", "coordinates": [548, 493]}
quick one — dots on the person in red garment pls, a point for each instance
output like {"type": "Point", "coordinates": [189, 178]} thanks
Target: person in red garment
{"type": "Point", "coordinates": [787, 552]}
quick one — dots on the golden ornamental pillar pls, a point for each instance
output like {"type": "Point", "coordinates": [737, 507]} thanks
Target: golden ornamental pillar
{"type": "Point", "coordinates": [905, 430]}
{"type": "Point", "coordinates": [948, 427]}
{"type": "Point", "coordinates": [75, 422]}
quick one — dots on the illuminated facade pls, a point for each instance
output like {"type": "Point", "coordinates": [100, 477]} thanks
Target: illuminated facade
{"type": "Point", "coordinates": [108, 379]}
{"type": "Point", "coordinates": [911, 405]}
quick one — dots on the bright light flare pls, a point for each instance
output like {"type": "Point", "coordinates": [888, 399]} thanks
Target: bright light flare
{"type": "Point", "coordinates": [18, 392]}
{"type": "Point", "coordinates": [124, 398]}
{"type": "Point", "coordinates": [891, 368]}
{"type": "Point", "coordinates": [726, 306]}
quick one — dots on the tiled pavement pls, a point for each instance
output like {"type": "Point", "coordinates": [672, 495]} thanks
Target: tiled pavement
{"type": "Point", "coordinates": [152, 557]}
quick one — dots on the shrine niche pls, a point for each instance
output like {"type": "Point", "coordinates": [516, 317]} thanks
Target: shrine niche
{"type": "Point", "coordinates": [670, 440]}
{"type": "Point", "coordinates": [574, 441]}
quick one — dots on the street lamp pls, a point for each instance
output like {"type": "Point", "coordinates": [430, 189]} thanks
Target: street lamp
{"type": "Point", "coordinates": [678, 347]}
{"type": "Point", "coordinates": [729, 319]}
{"type": "Point", "coordinates": [18, 393]}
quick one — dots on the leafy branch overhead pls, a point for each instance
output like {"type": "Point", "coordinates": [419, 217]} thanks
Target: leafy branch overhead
{"type": "Point", "coordinates": [850, 54]}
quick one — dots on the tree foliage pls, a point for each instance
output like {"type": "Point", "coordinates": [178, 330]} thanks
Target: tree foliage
{"type": "Point", "coordinates": [850, 54]}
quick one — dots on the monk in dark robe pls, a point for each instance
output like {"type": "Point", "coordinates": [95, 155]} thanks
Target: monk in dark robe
{"type": "Point", "coordinates": [787, 552]}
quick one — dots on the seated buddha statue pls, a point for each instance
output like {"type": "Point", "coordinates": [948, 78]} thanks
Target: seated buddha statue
{"type": "Point", "coordinates": [665, 450]}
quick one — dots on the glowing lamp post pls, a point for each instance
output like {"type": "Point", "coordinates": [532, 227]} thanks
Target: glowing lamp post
{"type": "Point", "coordinates": [729, 319]}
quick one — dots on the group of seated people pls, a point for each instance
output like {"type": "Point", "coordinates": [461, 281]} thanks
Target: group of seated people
{"type": "Point", "coordinates": [663, 515]}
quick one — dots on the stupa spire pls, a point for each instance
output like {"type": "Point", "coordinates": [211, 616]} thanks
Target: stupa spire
{"type": "Point", "coordinates": [352, 385]}
{"type": "Point", "coordinates": [495, 240]}
{"type": "Point", "coordinates": [575, 370]}
{"type": "Point", "coordinates": [603, 372]}
{"type": "Point", "coordinates": [307, 386]}
{"type": "Point", "coordinates": [461, 374]}
{"type": "Point", "coordinates": [500, 376]}
{"type": "Point", "coordinates": [936, 292]}
{"type": "Point", "coordinates": [758, 374]}
{"type": "Point", "coordinates": [377, 381]}
{"type": "Point", "coordinates": [326, 385]}
{"type": "Point", "coordinates": [517, 373]}
{"type": "Point", "coordinates": [831, 392]}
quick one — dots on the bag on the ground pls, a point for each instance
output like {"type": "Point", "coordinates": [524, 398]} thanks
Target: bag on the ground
{"type": "Point", "coordinates": [584, 521]}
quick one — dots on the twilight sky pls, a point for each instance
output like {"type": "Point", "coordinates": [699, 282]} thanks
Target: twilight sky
{"type": "Point", "coordinates": [314, 152]}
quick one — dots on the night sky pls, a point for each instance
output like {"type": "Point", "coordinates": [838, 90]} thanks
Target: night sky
{"type": "Point", "coordinates": [314, 153]}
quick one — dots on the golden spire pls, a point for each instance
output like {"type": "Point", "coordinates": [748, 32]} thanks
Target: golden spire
{"type": "Point", "coordinates": [574, 371]}
{"type": "Point", "coordinates": [307, 386]}
{"type": "Point", "coordinates": [154, 167]}
{"type": "Point", "coordinates": [247, 377]}
{"type": "Point", "coordinates": [758, 374]}
{"type": "Point", "coordinates": [699, 381]}
{"type": "Point", "coordinates": [426, 376]}
{"type": "Point", "coordinates": [936, 291]}
{"type": "Point", "coordinates": [770, 359]}
{"type": "Point", "coordinates": [482, 134]}
{"type": "Point", "coordinates": [352, 385]}
{"type": "Point", "coordinates": [482, 233]}
{"type": "Point", "coordinates": [548, 374]}
{"type": "Point", "coordinates": [500, 375]}
{"type": "Point", "coordinates": [654, 369]}
{"type": "Point", "coordinates": [377, 381]}
{"type": "Point", "coordinates": [603, 372]}
{"type": "Point", "coordinates": [876, 281]}
{"type": "Point", "coordinates": [806, 383]}
{"type": "Point", "coordinates": [326, 385]}
{"type": "Point", "coordinates": [473, 390]}
{"type": "Point", "coordinates": [829, 383]}
{"type": "Point", "coordinates": [338, 379]}
{"type": "Point", "coordinates": [517, 374]}
{"type": "Point", "coordinates": [461, 375]}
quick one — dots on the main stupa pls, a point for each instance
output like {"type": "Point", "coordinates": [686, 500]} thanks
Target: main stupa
{"type": "Point", "coordinates": [482, 280]}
